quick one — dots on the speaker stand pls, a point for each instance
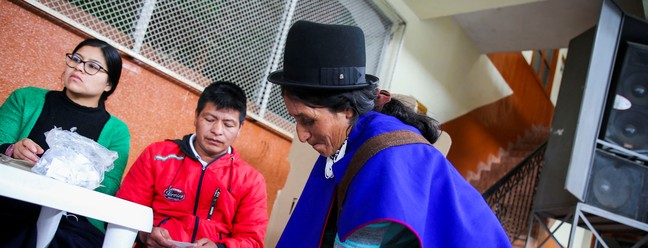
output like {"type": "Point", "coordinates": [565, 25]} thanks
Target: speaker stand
{"type": "Point", "coordinates": [582, 208]}
{"type": "Point", "coordinates": [536, 217]}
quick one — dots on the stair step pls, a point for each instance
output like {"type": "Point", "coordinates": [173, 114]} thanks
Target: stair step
{"type": "Point", "coordinates": [516, 153]}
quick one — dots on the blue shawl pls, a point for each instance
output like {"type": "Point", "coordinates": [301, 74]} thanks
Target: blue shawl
{"type": "Point", "coordinates": [413, 185]}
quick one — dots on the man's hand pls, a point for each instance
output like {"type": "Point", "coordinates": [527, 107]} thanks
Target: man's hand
{"type": "Point", "coordinates": [158, 238]}
{"type": "Point", "coordinates": [205, 242]}
{"type": "Point", "coordinates": [27, 149]}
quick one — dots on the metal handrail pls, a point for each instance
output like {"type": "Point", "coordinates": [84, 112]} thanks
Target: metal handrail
{"type": "Point", "coordinates": [511, 198]}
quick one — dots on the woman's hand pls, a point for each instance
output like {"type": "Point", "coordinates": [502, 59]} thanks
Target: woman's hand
{"type": "Point", "coordinates": [27, 149]}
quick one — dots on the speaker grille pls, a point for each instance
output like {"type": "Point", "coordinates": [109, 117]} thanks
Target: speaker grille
{"type": "Point", "coordinates": [619, 186]}
{"type": "Point", "coordinates": [627, 123]}
{"type": "Point", "coordinates": [641, 58]}
{"type": "Point", "coordinates": [629, 128]}
{"type": "Point", "coordinates": [635, 89]}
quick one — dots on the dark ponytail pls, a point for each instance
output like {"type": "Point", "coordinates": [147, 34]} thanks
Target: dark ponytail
{"type": "Point", "coordinates": [428, 126]}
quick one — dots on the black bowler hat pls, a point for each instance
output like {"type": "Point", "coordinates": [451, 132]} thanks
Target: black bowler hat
{"type": "Point", "coordinates": [324, 56]}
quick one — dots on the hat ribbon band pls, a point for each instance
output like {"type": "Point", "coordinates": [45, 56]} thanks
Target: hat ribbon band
{"type": "Point", "coordinates": [337, 76]}
{"type": "Point", "coordinates": [341, 76]}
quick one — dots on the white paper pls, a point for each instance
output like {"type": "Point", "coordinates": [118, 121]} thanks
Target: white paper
{"type": "Point", "coordinates": [183, 244]}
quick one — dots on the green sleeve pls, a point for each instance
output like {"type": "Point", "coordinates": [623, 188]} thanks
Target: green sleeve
{"type": "Point", "coordinates": [10, 113]}
{"type": "Point", "coordinates": [20, 112]}
{"type": "Point", "coordinates": [116, 137]}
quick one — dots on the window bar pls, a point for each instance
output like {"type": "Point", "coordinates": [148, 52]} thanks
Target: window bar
{"type": "Point", "coordinates": [142, 24]}
{"type": "Point", "coordinates": [275, 62]}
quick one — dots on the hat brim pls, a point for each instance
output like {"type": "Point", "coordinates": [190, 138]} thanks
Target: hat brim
{"type": "Point", "coordinates": [278, 78]}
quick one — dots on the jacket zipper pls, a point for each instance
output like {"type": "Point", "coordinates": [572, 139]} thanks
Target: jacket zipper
{"type": "Point", "coordinates": [195, 211]}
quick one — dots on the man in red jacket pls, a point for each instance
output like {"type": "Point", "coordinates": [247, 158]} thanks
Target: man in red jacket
{"type": "Point", "coordinates": [199, 188]}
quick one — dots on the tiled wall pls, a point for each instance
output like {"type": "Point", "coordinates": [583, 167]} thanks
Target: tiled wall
{"type": "Point", "coordinates": [32, 49]}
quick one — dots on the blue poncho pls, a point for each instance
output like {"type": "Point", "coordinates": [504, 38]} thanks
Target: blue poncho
{"type": "Point", "coordinates": [413, 185]}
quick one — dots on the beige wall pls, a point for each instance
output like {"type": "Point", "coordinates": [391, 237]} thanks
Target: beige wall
{"type": "Point", "coordinates": [154, 107]}
{"type": "Point", "coordinates": [302, 158]}
{"type": "Point", "coordinates": [442, 68]}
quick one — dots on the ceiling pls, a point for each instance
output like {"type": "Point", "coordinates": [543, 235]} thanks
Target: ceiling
{"type": "Point", "coordinates": [515, 25]}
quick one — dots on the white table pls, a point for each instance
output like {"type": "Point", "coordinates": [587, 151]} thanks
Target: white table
{"type": "Point", "coordinates": [124, 218]}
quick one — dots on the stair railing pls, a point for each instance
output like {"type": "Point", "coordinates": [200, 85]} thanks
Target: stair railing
{"type": "Point", "coordinates": [511, 198]}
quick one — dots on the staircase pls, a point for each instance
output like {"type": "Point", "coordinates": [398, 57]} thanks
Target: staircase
{"type": "Point", "coordinates": [509, 187]}
{"type": "Point", "coordinates": [517, 152]}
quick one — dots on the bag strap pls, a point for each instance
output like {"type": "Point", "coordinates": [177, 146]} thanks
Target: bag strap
{"type": "Point", "coordinates": [369, 149]}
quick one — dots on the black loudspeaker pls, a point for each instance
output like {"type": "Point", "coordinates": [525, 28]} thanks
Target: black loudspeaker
{"type": "Point", "coordinates": [551, 196]}
{"type": "Point", "coordinates": [618, 185]}
{"type": "Point", "coordinates": [627, 125]}
{"type": "Point", "coordinates": [598, 146]}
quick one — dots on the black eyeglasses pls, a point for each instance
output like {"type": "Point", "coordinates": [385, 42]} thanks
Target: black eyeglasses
{"type": "Point", "coordinates": [90, 67]}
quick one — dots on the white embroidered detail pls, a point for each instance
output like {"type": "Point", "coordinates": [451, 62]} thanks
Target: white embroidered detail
{"type": "Point", "coordinates": [328, 170]}
{"type": "Point", "coordinates": [164, 158]}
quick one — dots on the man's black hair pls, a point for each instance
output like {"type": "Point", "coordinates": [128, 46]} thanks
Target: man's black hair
{"type": "Point", "coordinates": [224, 95]}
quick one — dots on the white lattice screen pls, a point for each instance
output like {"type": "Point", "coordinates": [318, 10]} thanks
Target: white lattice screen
{"type": "Point", "coordinates": [201, 41]}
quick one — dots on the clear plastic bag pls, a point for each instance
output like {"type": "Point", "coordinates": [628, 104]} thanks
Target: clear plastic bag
{"type": "Point", "coordinates": [74, 159]}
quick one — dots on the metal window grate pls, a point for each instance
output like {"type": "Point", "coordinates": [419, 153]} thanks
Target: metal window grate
{"type": "Point", "coordinates": [202, 41]}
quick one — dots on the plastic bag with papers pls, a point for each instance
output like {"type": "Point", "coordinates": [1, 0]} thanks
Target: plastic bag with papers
{"type": "Point", "coordinates": [74, 159]}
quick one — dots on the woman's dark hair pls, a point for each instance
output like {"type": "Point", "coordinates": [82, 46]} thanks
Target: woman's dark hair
{"type": "Point", "coordinates": [113, 62]}
{"type": "Point", "coordinates": [224, 95]}
{"type": "Point", "coordinates": [428, 126]}
{"type": "Point", "coordinates": [361, 101]}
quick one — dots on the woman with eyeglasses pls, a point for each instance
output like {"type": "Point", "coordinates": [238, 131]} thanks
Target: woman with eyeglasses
{"type": "Point", "coordinates": [91, 74]}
